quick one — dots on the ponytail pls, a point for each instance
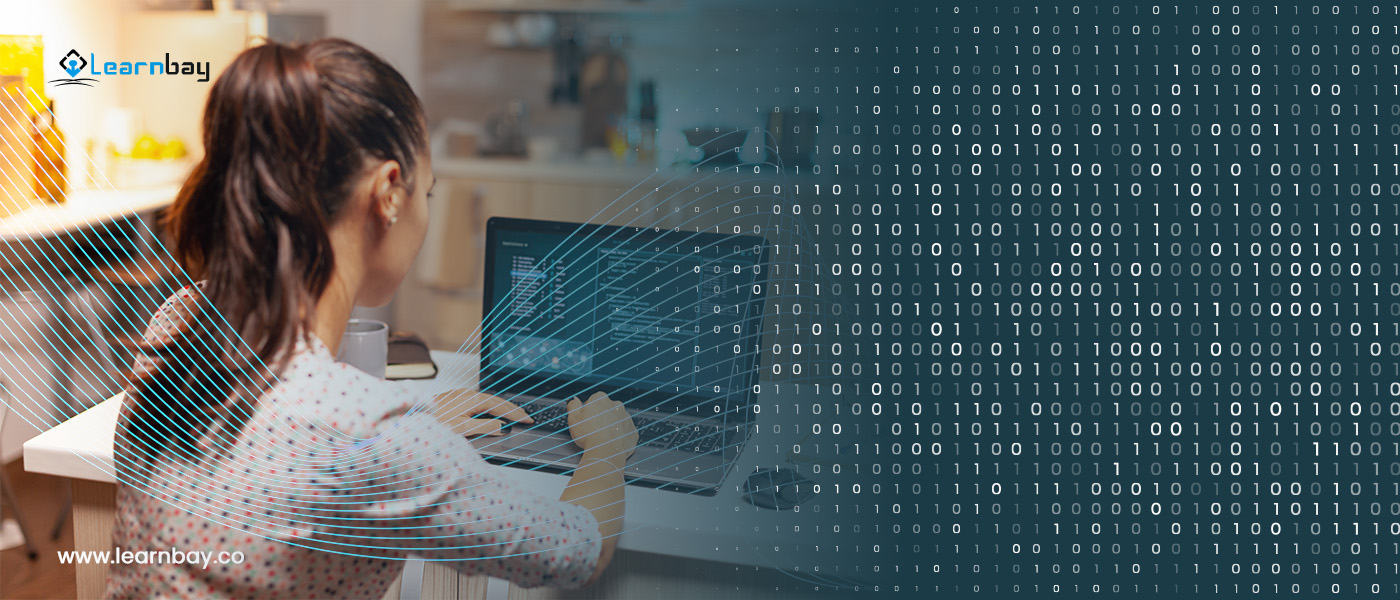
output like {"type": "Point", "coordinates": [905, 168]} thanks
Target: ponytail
{"type": "Point", "coordinates": [287, 131]}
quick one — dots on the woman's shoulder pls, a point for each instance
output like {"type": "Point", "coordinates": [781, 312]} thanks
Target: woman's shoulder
{"type": "Point", "coordinates": [174, 315]}
{"type": "Point", "coordinates": [313, 386]}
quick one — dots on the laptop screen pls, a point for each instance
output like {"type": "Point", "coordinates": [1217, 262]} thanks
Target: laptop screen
{"type": "Point", "coordinates": [659, 319]}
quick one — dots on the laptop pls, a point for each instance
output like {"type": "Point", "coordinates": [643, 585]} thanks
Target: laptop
{"type": "Point", "coordinates": [665, 321]}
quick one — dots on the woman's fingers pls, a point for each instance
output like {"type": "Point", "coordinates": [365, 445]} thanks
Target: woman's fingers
{"type": "Point", "coordinates": [478, 427]}
{"type": "Point", "coordinates": [467, 426]}
{"type": "Point", "coordinates": [481, 403]}
{"type": "Point", "coordinates": [574, 406]}
{"type": "Point", "coordinates": [500, 407]}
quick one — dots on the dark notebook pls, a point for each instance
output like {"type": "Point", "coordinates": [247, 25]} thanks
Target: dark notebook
{"type": "Point", "coordinates": [409, 358]}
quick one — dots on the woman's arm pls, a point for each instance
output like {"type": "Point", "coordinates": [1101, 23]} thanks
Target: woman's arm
{"type": "Point", "coordinates": [438, 483]}
{"type": "Point", "coordinates": [607, 435]}
{"type": "Point", "coordinates": [413, 485]}
{"type": "Point", "coordinates": [597, 483]}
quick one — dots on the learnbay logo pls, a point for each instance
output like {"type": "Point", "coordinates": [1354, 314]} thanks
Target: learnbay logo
{"type": "Point", "coordinates": [75, 64]}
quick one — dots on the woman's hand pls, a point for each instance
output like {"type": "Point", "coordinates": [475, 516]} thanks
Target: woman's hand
{"type": "Point", "coordinates": [606, 433]}
{"type": "Point", "coordinates": [458, 409]}
{"type": "Point", "coordinates": [602, 428]}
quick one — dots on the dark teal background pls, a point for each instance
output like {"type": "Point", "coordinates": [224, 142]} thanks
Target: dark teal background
{"type": "Point", "coordinates": [1085, 287]}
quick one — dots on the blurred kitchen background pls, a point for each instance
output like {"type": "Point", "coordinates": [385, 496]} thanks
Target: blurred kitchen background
{"type": "Point", "coordinates": [539, 108]}
{"type": "Point", "coordinates": [619, 111]}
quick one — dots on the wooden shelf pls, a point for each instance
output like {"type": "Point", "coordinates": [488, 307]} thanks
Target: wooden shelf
{"type": "Point", "coordinates": [568, 6]}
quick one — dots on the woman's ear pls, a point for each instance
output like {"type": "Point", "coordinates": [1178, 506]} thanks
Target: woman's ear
{"type": "Point", "coordinates": [388, 192]}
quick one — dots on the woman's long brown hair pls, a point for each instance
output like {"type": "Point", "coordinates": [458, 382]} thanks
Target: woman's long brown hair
{"type": "Point", "coordinates": [288, 130]}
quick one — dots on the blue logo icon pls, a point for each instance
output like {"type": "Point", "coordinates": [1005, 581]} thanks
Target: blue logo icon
{"type": "Point", "coordinates": [73, 63]}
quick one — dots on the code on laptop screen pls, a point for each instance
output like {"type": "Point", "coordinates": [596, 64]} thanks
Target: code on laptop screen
{"type": "Point", "coordinates": [613, 308]}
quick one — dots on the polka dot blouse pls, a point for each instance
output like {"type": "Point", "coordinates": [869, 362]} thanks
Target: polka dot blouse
{"type": "Point", "coordinates": [331, 482]}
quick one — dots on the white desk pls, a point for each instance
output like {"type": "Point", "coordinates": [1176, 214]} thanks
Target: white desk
{"type": "Point", "coordinates": [659, 525]}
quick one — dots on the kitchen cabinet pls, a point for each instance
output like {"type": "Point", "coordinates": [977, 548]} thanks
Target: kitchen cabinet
{"type": "Point", "coordinates": [457, 217]}
{"type": "Point", "coordinates": [578, 202]}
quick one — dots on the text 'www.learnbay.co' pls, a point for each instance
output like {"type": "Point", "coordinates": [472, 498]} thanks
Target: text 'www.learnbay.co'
{"type": "Point", "coordinates": [118, 556]}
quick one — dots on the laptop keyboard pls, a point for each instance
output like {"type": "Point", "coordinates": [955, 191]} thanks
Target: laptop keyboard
{"type": "Point", "coordinates": [700, 438]}
{"type": "Point", "coordinates": [551, 417]}
{"type": "Point", "coordinates": [656, 433]}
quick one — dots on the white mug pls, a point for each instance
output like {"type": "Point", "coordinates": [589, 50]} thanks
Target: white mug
{"type": "Point", "coordinates": [365, 346]}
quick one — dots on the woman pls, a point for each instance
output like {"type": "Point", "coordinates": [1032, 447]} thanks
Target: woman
{"type": "Point", "coordinates": [242, 437]}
